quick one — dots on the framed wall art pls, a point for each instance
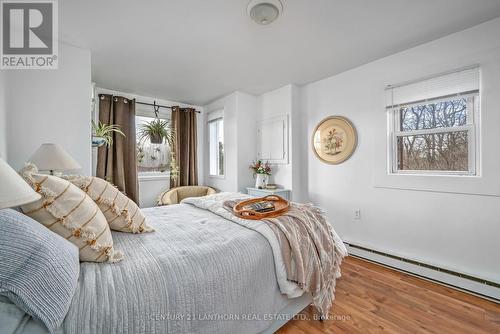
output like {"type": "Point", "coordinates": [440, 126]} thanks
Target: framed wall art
{"type": "Point", "coordinates": [334, 140]}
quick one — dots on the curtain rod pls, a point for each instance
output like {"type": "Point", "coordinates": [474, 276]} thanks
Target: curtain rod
{"type": "Point", "coordinates": [159, 106]}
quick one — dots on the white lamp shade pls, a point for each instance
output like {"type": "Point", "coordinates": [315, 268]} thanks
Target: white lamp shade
{"type": "Point", "coordinates": [14, 191]}
{"type": "Point", "coordinates": [53, 157]}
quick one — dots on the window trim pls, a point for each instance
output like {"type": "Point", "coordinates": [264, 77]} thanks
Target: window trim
{"type": "Point", "coordinates": [156, 175]}
{"type": "Point", "coordinates": [472, 128]}
{"type": "Point", "coordinates": [153, 176]}
{"type": "Point", "coordinates": [218, 116]}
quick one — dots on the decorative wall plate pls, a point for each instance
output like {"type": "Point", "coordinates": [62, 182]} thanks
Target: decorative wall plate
{"type": "Point", "coordinates": [334, 140]}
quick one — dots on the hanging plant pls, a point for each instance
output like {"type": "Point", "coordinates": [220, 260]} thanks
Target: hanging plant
{"type": "Point", "coordinates": [102, 134]}
{"type": "Point", "coordinates": [156, 131]}
{"type": "Point", "coordinates": [174, 169]}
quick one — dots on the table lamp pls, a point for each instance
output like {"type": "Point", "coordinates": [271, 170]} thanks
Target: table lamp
{"type": "Point", "coordinates": [52, 157]}
{"type": "Point", "coordinates": [14, 191]}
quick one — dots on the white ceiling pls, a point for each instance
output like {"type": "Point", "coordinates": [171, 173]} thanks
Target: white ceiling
{"type": "Point", "coordinates": [197, 50]}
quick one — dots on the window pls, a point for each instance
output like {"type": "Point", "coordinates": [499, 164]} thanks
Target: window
{"type": "Point", "coordinates": [152, 159]}
{"type": "Point", "coordinates": [216, 142]}
{"type": "Point", "coordinates": [433, 125]}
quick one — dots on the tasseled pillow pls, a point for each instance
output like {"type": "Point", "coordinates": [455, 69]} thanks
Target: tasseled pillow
{"type": "Point", "coordinates": [120, 211]}
{"type": "Point", "coordinates": [71, 213]}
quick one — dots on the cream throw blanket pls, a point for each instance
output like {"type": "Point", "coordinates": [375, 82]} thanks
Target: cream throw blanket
{"type": "Point", "coordinates": [309, 248]}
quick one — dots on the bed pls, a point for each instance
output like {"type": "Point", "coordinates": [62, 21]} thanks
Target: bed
{"type": "Point", "coordinates": [198, 273]}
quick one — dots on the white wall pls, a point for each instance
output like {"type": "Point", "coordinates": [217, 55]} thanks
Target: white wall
{"type": "Point", "coordinates": [150, 187]}
{"type": "Point", "coordinates": [299, 148]}
{"type": "Point", "coordinates": [50, 106]}
{"type": "Point", "coordinates": [242, 112]}
{"type": "Point", "coordinates": [3, 118]}
{"type": "Point", "coordinates": [240, 127]}
{"type": "Point", "coordinates": [278, 103]}
{"type": "Point", "coordinates": [286, 101]}
{"type": "Point", "coordinates": [450, 230]}
{"type": "Point", "coordinates": [247, 128]}
{"type": "Point", "coordinates": [229, 181]}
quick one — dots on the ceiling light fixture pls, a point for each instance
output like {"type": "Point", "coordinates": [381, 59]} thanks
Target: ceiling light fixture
{"type": "Point", "coordinates": [264, 12]}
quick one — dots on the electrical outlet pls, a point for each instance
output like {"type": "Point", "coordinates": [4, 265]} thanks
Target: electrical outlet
{"type": "Point", "coordinates": [357, 214]}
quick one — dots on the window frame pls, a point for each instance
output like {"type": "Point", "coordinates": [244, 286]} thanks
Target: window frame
{"type": "Point", "coordinates": [472, 128]}
{"type": "Point", "coordinates": [156, 175]}
{"type": "Point", "coordinates": [217, 116]}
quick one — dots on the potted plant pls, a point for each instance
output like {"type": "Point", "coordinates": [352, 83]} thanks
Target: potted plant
{"type": "Point", "coordinates": [261, 172]}
{"type": "Point", "coordinates": [102, 134]}
{"type": "Point", "coordinates": [156, 131]}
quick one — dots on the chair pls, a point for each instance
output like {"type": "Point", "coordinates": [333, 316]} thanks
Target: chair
{"type": "Point", "coordinates": [176, 195]}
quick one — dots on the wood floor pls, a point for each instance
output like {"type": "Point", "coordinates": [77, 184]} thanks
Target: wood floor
{"type": "Point", "coordinates": [374, 299]}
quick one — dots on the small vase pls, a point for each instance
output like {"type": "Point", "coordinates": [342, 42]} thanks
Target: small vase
{"type": "Point", "coordinates": [260, 181]}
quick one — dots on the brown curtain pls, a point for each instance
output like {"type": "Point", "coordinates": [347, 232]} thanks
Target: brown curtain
{"type": "Point", "coordinates": [117, 164]}
{"type": "Point", "coordinates": [184, 147]}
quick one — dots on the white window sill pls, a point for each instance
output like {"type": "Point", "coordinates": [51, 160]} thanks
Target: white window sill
{"type": "Point", "coordinates": [435, 174]}
{"type": "Point", "coordinates": [153, 176]}
{"type": "Point", "coordinates": [456, 184]}
{"type": "Point", "coordinates": [217, 176]}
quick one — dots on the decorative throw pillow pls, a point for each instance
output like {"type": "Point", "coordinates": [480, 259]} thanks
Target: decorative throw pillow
{"type": "Point", "coordinates": [121, 212]}
{"type": "Point", "coordinates": [39, 269]}
{"type": "Point", "coordinates": [71, 213]}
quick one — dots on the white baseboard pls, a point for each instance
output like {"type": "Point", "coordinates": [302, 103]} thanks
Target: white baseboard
{"type": "Point", "coordinates": [476, 287]}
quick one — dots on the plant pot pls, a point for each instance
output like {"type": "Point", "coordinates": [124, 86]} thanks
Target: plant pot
{"type": "Point", "coordinates": [261, 181]}
{"type": "Point", "coordinates": [98, 141]}
{"type": "Point", "coordinates": [156, 139]}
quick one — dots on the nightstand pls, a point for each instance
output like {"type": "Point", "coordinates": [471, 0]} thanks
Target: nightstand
{"type": "Point", "coordinates": [284, 193]}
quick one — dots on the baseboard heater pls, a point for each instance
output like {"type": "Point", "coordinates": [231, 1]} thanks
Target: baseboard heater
{"type": "Point", "coordinates": [477, 286]}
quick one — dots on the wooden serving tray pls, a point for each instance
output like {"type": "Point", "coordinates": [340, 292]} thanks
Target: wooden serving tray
{"type": "Point", "coordinates": [281, 206]}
